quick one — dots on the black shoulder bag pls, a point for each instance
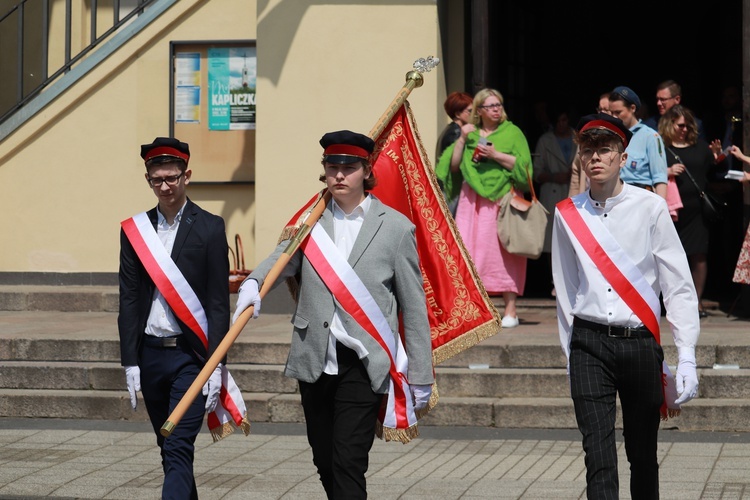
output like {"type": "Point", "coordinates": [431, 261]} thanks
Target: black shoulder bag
{"type": "Point", "coordinates": [712, 209]}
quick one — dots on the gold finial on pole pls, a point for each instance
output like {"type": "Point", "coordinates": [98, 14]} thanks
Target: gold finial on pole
{"type": "Point", "coordinates": [414, 79]}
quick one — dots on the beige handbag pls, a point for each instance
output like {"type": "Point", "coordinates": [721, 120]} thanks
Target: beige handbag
{"type": "Point", "coordinates": [521, 223]}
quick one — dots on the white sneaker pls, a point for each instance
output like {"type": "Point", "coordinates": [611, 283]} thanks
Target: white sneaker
{"type": "Point", "coordinates": [509, 321]}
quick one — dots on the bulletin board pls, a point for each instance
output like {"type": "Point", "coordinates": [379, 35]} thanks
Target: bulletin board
{"type": "Point", "coordinates": [212, 107]}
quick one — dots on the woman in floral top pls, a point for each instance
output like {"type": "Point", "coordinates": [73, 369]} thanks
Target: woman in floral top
{"type": "Point", "coordinates": [742, 269]}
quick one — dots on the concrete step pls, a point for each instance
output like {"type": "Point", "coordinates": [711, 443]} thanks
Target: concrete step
{"type": "Point", "coordinates": [719, 415]}
{"type": "Point", "coordinates": [92, 298]}
{"type": "Point", "coordinates": [451, 382]}
{"type": "Point", "coordinates": [61, 349]}
{"type": "Point", "coordinates": [65, 364]}
{"type": "Point", "coordinates": [86, 376]}
{"type": "Point", "coordinates": [247, 349]}
{"type": "Point", "coordinates": [59, 298]}
{"type": "Point", "coordinates": [536, 355]}
{"type": "Point", "coordinates": [540, 383]}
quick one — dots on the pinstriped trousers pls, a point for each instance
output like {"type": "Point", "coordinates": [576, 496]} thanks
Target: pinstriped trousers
{"type": "Point", "coordinates": [600, 368]}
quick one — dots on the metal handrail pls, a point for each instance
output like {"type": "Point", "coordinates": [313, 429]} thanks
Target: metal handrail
{"type": "Point", "coordinates": [22, 98]}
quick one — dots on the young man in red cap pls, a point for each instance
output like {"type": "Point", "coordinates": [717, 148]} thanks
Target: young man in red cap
{"type": "Point", "coordinates": [337, 352]}
{"type": "Point", "coordinates": [614, 249]}
{"type": "Point", "coordinates": [174, 307]}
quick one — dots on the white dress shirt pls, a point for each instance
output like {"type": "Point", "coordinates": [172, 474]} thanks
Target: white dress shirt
{"type": "Point", "coordinates": [345, 231]}
{"type": "Point", "coordinates": [640, 222]}
{"type": "Point", "coordinates": [161, 321]}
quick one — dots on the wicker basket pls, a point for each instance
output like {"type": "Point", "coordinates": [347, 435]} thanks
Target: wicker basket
{"type": "Point", "coordinates": [238, 272]}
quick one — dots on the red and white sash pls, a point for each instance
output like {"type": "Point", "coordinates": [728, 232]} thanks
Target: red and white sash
{"type": "Point", "coordinates": [622, 273]}
{"type": "Point", "coordinates": [397, 417]}
{"type": "Point", "coordinates": [614, 264]}
{"type": "Point", "coordinates": [230, 412]}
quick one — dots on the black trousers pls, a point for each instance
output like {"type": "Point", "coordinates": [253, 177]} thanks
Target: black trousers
{"type": "Point", "coordinates": [341, 413]}
{"type": "Point", "coordinates": [600, 368]}
{"type": "Point", "coordinates": [166, 375]}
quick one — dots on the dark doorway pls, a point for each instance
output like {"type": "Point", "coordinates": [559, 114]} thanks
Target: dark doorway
{"type": "Point", "coordinates": [568, 53]}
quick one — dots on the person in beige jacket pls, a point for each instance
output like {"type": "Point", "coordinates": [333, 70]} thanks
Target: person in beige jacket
{"type": "Point", "coordinates": [553, 163]}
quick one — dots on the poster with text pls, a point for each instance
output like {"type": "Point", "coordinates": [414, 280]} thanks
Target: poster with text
{"type": "Point", "coordinates": [187, 96]}
{"type": "Point", "coordinates": [231, 88]}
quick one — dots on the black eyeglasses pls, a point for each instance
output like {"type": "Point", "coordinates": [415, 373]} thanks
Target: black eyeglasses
{"type": "Point", "coordinates": [497, 105]}
{"type": "Point", "coordinates": [664, 99]}
{"type": "Point", "coordinates": [680, 125]}
{"type": "Point", "coordinates": [171, 180]}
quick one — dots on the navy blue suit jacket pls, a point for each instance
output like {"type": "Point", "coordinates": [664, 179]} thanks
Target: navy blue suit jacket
{"type": "Point", "coordinates": [201, 254]}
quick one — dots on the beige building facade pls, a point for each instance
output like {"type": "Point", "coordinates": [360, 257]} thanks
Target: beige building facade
{"type": "Point", "coordinates": [71, 172]}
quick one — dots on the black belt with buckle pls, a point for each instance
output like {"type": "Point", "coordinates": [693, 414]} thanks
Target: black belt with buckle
{"type": "Point", "coordinates": [644, 186]}
{"type": "Point", "coordinates": [612, 330]}
{"type": "Point", "coordinates": [153, 341]}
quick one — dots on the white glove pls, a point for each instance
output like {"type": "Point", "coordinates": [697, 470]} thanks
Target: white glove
{"type": "Point", "coordinates": [212, 388]}
{"type": "Point", "coordinates": [686, 378]}
{"type": "Point", "coordinates": [247, 296]}
{"type": "Point", "coordinates": [670, 392]}
{"type": "Point", "coordinates": [133, 378]}
{"type": "Point", "coordinates": [421, 395]}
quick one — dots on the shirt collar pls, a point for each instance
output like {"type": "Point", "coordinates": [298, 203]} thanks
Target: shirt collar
{"type": "Point", "coordinates": [359, 211]}
{"type": "Point", "coordinates": [161, 220]}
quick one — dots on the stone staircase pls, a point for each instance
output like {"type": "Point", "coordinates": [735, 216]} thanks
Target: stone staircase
{"type": "Point", "coordinates": [59, 358]}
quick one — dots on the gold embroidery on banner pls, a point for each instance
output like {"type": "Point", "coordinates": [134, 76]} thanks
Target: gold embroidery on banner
{"type": "Point", "coordinates": [463, 310]}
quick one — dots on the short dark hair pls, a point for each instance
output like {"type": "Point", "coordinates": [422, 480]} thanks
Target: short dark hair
{"type": "Point", "coordinates": [598, 137]}
{"type": "Point", "coordinates": [457, 102]}
{"type": "Point", "coordinates": [673, 87]}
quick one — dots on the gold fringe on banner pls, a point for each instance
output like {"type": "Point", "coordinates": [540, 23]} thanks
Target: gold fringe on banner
{"type": "Point", "coordinates": [228, 429]}
{"type": "Point", "coordinates": [400, 435]}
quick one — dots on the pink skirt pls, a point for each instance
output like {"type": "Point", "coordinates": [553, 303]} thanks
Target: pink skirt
{"type": "Point", "coordinates": [476, 219]}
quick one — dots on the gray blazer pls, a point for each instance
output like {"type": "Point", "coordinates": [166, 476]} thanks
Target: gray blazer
{"type": "Point", "coordinates": [385, 258]}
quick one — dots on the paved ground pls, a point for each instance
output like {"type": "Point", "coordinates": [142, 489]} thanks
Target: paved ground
{"type": "Point", "coordinates": [119, 460]}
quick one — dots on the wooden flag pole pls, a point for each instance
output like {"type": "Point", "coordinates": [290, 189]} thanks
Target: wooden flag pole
{"type": "Point", "coordinates": [236, 328]}
{"type": "Point", "coordinates": [414, 80]}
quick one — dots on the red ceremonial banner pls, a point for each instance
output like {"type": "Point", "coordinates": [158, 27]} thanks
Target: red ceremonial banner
{"type": "Point", "coordinates": [460, 311]}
